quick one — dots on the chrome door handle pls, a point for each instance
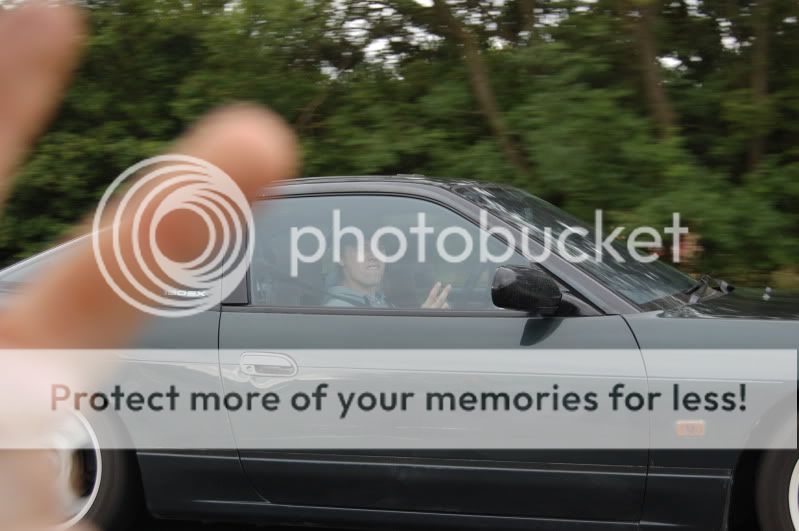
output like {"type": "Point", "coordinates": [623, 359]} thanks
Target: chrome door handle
{"type": "Point", "coordinates": [267, 364]}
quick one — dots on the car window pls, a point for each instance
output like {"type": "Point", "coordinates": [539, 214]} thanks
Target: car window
{"type": "Point", "coordinates": [306, 254]}
{"type": "Point", "coordinates": [648, 285]}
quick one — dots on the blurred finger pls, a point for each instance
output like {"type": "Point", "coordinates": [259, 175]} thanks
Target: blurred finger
{"type": "Point", "coordinates": [27, 500]}
{"type": "Point", "coordinates": [73, 306]}
{"type": "Point", "coordinates": [39, 46]}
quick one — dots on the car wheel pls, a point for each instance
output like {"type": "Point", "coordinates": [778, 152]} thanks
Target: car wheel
{"type": "Point", "coordinates": [777, 491]}
{"type": "Point", "coordinates": [94, 485]}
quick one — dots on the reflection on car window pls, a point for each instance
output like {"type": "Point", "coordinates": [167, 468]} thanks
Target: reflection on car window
{"type": "Point", "coordinates": [648, 285]}
{"type": "Point", "coordinates": [307, 254]}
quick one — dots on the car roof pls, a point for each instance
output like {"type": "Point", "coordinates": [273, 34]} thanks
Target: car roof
{"type": "Point", "coordinates": [399, 179]}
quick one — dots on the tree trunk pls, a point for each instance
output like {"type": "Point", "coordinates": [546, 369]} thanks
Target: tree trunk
{"type": "Point", "coordinates": [759, 79]}
{"type": "Point", "coordinates": [656, 96]}
{"type": "Point", "coordinates": [527, 12]}
{"type": "Point", "coordinates": [480, 82]}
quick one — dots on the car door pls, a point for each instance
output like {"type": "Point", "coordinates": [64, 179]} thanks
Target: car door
{"type": "Point", "coordinates": [289, 328]}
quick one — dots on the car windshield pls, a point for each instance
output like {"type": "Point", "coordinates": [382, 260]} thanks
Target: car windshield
{"type": "Point", "coordinates": [648, 285]}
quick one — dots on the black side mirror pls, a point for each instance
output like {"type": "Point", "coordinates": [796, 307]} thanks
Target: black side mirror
{"type": "Point", "coordinates": [525, 289]}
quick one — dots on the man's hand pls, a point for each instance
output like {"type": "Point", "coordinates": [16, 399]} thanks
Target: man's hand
{"type": "Point", "coordinates": [71, 306]}
{"type": "Point", "coordinates": [437, 298]}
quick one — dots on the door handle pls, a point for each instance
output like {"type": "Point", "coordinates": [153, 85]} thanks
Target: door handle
{"type": "Point", "coordinates": [267, 364]}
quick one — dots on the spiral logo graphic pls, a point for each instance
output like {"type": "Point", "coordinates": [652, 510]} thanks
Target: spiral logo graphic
{"type": "Point", "coordinates": [166, 184]}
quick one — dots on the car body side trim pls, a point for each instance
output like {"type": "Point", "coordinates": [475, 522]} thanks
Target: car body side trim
{"type": "Point", "coordinates": [263, 512]}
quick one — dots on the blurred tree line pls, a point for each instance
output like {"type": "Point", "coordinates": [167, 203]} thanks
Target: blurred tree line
{"type": "Point", "coordinates": [638, 107]}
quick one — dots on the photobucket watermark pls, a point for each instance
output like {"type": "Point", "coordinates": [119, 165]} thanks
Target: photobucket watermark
{"type": "Point", "coordinates": [573, 243]}
{"type": "Point", "coordinates": [153, 189]}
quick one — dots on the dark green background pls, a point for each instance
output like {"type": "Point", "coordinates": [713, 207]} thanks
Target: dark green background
{"type": "Point", "coordinates": [573, 101]}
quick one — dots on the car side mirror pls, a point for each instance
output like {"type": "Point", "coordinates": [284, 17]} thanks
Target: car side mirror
{"type": "Point", "coordinates": [525, 289]}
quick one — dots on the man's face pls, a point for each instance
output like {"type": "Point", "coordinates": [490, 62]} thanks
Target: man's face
{"type": "Point", "coordinates": [367, 273]}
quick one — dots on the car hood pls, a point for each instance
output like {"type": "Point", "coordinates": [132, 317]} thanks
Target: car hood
{"type": "Point", "coordinates": [743, 303]}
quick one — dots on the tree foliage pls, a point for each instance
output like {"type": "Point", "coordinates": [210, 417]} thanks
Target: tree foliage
{"type": "Point", "coordinates": [638, 107]}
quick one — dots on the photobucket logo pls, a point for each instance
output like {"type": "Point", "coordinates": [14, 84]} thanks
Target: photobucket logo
{"type": "Point", "coordinates": [575, 244]}
{"type": "Point", "coordinates": [157, 284]}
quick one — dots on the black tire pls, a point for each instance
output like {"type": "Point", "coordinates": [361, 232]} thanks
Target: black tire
{"type": "Point", "coordinates": [117, 502]}
{"type": "Point", "coordinates": [772, 490]}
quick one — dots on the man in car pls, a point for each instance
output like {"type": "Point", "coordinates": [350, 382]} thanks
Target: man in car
{"type": "Point", "coordinates": [360, 282]}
